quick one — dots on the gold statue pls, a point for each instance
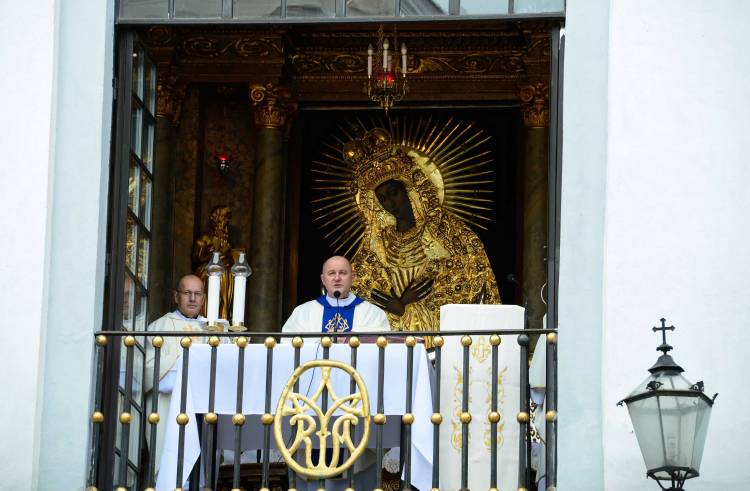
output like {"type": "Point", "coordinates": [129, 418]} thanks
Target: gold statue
{"type": "Point", "coordinates": [216, 240]}
{"type": "Point", "coordinates": [403, 194]}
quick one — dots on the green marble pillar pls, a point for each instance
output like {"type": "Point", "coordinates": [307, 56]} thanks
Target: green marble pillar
{"type": "Point", "coordinates": [273, 110]}
{"type": "Point", "coordinates": [535, 108]}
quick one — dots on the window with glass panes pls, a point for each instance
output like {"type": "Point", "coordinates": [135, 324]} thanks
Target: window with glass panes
{"type": "Point", "coordinates": [140, 178]}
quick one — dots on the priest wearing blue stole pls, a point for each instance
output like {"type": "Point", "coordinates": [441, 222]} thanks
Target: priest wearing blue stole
{"type": "Point", "coordinates": [332, 313]}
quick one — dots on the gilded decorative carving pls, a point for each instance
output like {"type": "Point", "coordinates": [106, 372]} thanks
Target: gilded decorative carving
{"type": "Point", "coordinates": [273, 106]}
{"type": "Point", "coordinates": [341, 63]}
{"type": "Point", "coordinates": [170, 92]}
{"type": "Point", "coordinates": [209, 46]}
{"type": "Point", "coordinates": [159, 35]}
{"type": "Point", "coordinates": [534, 104]}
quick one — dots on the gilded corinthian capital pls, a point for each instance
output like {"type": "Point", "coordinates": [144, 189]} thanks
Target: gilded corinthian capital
{"type": "Point", "coordinates": [170, 93]}
{"type": "Point", "coordinates": [273, 106]}
{"type": "Point", "coordinates": [534, 104]}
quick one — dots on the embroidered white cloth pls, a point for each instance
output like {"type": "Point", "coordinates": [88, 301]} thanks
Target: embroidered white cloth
{"type": "Point", "coordinates": [283, 365]}
{"type": "Point", "coordinates": [480, 317]}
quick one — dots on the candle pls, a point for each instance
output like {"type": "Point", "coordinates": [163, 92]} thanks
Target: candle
{"type": "Point", "coordinates": [369, 61]}
{"type": "Point", "coordinates": [241, 271]}
{"type": "Point", "coordinates": [403, 58]}
{"type": "Point", "coordinates": [385, 54]}
{"type": "Point", "coordinates": [215, 270]}
{"type": "Point", "coordinates": [390, 61]}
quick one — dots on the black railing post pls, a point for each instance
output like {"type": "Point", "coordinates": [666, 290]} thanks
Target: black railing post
{"type": "Point", "coordinates": [182, 418]}
{"type": "Point", "coordinates": [494, 416]}
{"type": "Point", "coordinates": [465, 415]}
{"type": "Point", "coordinates": [211, 418]}
{"type": "Point", "coordinates": [326, 342]}
{"type": "Point", "coordinates": [551, 416]}
{"type": "Point", "coordinates": [239, 417]}
{"type": "Point", "coordinates": [379, 418]}
{"type": "Point", "coordinates": [523, 417]}
{"type": "Point", "coordinates": [436, 418]}
{"type": "Point", "coordinates": [297, 342]}
{"type": "Point", "coordinates": [353, 343]}
{"type": "Point", "coordinates": [153, 418]}
{"type": "Point", "coordinates": [408, 418]}
{"type": "Point", "coordinates": [125, 416]}
{"type": "Point", "coordinates": [97, 418]}
{"type": "Point", "coordinates": [267, 418]}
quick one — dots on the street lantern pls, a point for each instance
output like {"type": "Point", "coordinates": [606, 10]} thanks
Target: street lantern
{"type": "Point", "coordinates": [670, 417]}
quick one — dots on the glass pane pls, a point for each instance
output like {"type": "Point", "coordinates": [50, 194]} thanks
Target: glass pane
{"type": "Point", "coordinates": [134, 450]}
{"type": "Point", "coordinates": [537, 6]}
{"type": "Point", "coordinates": [134, 186]}
{"type": "Point", "coordinates": [253, 9]}
{"type": "Point", "coordinates": [148, 144]}
{"type": "Point", "coordinates": [197, 9]}
{"type": "Point", "coordinates": [143, 251]}
{"type": "Point", "coordinates": [128, 303]}
{"type": "Point", "coordinates": [311, 8]}
{"type": "Point", "coordinates": [145, 200]}
{"type": "Point", "coordinates": [141, 300]}
{"type": "Point", "coordinates": [117, 458]}
{"type": "Point", "coordinates": [138, 59]}
{"type": "Point", "coordinates": [138, 356]}
{"type": "Point", "coordinates": [118, 440]}
{"type": "Point", "coordinates": [424, 7]}
{"type": "Point", "coordinates": [131, 238]}
{"type": "Point", "coordinates": [143, 9]}
{"type": "Point", "coordinates": [484, 7]}
{"type": "Point", "coordinates": [136, 116]}
{"type": "Point", "coordinates": [149, 86]}
{"type": "Point", "coordinates": [701, 428]}
{"type": "Point", "coordinates": [360, 8]}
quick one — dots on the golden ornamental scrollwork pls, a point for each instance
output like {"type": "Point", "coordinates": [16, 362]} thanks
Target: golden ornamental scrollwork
{"type": "Point", "coordinates": [534, 104]}
{"type": "Point", "coordinates": [306, 423]}
{"type": "Point", "coordinates": [170, 92]}
{"type": "Point", "coordinates": [210, 47]}
{"type": "Point", "coordinates": [273, 106]}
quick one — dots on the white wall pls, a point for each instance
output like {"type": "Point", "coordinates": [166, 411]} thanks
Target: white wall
{"type": "Point", "coordinates": [55, 123]}
{"type": "Point", "coordinates": [678, 221]}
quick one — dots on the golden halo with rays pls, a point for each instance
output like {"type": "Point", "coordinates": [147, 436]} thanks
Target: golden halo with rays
{"type": "Point", "coordinates": [453, 148]}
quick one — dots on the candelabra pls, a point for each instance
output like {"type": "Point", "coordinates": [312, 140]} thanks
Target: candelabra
{"type": "Point", "coordinates": [389, 83]}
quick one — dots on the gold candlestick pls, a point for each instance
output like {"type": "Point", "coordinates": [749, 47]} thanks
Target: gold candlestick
{"type": "Point", "coordinates": [237, 327]}
{"type": "Point", "coordinates": [214, 326]}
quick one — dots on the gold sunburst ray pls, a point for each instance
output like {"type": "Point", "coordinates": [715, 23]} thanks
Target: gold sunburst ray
{"type": "Point", "coordinates": [454, 147]}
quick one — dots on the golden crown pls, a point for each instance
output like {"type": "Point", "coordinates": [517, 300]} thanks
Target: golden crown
{"type": "Point", "coordinates": [373, 157]}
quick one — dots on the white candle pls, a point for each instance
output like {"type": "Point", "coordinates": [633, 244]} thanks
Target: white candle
{"type": "Point", "coordinates": [385, 54]}
{"type": "Point", "coordinates": [403, 58]}
{"type": "Point", "coordinates": [390, 61]}
{"type": "Point", "coordinates": [238, 309]}
{"type": "Point", "coordinates": [369, 61]}
{"type": "Point", "coordinates": [214, 285]}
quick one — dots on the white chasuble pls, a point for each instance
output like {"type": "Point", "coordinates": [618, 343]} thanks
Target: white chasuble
{"type": "Point", "coordinates": [490, 318]}
{"type": "Point", "coordinates": [309, 317]}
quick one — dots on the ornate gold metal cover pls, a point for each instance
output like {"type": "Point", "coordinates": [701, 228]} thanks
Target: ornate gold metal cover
{"type": "Point", "coordinates": [301, 404]}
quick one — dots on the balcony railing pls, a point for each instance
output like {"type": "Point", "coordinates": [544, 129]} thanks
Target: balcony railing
{"type": "Point", "coordinates": [103, 460]}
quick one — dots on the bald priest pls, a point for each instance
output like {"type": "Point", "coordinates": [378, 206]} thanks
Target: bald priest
{"type": "Point", "coordinates": [334, 313]}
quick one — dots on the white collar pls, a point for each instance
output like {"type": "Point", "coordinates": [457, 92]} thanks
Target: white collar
{"type": "Point", "coordinates": [200, 319]}
{"type": "Point", "coordinates": [342, 302]}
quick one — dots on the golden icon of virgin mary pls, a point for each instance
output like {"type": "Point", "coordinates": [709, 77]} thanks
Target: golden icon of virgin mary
{"type": "Point", "coordinates": [401, 200]}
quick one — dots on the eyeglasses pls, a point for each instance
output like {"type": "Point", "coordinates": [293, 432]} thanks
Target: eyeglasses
{"type": "Point", "coordinates": [188, 294]}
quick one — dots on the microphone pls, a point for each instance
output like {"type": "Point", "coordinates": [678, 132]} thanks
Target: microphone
{"type": "Point", "coordinates": [513, 279]}
{"type": "Point", "coordinates": [337, 294]}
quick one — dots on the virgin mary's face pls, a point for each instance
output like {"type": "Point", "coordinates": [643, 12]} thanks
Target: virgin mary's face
{"type": "Point", "coordinates": [394, 199]}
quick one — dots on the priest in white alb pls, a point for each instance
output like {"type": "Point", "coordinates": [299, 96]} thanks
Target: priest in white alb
{"type": "Point", "coordinates": [189, 297]}
{"type": "Point", "coordinates": [334, 313]}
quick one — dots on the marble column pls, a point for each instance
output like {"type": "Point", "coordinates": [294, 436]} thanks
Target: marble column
{"type": "Point", "coordinates": [274, 110]}
{"type": "Point", "coordinates": [170, 94]}
{"type": "Point", "coordinates": [535, 108]}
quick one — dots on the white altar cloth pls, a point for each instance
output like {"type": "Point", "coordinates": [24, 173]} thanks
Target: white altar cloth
{"type": "Point", "coordinates": [283, 366]}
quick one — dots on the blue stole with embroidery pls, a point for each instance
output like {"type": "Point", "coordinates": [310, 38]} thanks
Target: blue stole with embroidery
{"type": "Point", "coordinates": [341, 321]}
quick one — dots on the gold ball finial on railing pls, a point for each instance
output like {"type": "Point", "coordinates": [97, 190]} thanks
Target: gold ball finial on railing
{"type": "Point", "coordinates": [214, 341]}
{"type": "Point", "coordinates": [436, 418]}
{"type": "Point", "coordinates": [298, 342]}
{"type": "Point", "coordinates": [494, 417]}
{"type": "Point", "coordinates": [523, 417]}
{"type": "Point", "coordinates": [465, 417]}
{"type": "Point", "coordinates": [407, 418]}
{"type": "Point", "coordinates": [410, 341]}
{"type": "Point", "coordinates": [379, 419]}
{"type": "Point", "coordinates": [186, 342]}
{"type": "Point", "coordinates": [551, 416]}
{"type": "Point", "coordinates": [238, 419]}
{"type": "Point", "coordinates": [354, 341]}
{"type": "Point", "coordinates": [129, 341]}
{"type": "Point", "coordinates": [270, 342]}
{"type": "Point", "coordinates": [97, 417]}
{"type": "Point", "coordinates": [438, 341]}
{"type": "Point", "coordinates": [466, 341]}
{"type": "Point", "coordinates": [382, 342]}
{"type": "Point", "coordinates": [267, 419]}
{"type": "Point", "coordinates": [157, 342]}
{"type": "Point", "coordinates": [125, 418]}
{"type": "Point", "coordinates": [552, 338]}
{"type": "Point", "coordinates": [326, 342]}
{"type": "Point", "coordinates": [101, 340]}
{"type": "Point", "coordinates": [495, 340]}
{"type": "Point", "coordinates": [211, 418]}
{"type": "Point", "coordinates": [153, 418]}
{"type": "Point", "coordinates": [182, 419]}
{"type": "Point", "coordinates": [241, 342]}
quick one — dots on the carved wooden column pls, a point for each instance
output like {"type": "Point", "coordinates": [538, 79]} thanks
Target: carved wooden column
{"type": "Point", "coordinates": [170, 94]}
{"type": "Point", "coordinates": [535, 107]}
{"type": "Point", "coordinates": [274, 111]}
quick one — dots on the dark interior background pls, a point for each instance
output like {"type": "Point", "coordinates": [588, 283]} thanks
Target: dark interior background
{"type": "Point", "coordinates": [502, 240]}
